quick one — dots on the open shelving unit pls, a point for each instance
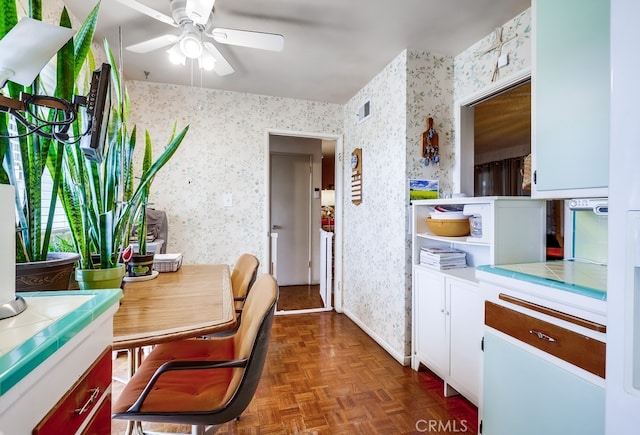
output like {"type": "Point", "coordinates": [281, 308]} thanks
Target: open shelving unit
{"type": "Point", "coordinates": [513, 229]}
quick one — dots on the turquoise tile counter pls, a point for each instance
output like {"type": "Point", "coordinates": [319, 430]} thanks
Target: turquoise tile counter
{"type": "Point", "coordinates": [50, 320]}
{"type": "Point", "coordinates": [586, 279]}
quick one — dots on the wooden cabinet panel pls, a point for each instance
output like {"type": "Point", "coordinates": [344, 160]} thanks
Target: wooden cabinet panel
{"type": "Point", "coordinates": [577, 349]}
{"type": "Point", "coordinates": [73, 409]}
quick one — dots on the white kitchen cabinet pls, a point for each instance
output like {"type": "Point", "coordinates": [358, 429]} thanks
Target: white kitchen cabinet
{"type": "Point", "coordinates": [448, 331]}
{"type": "Point", "coordinates": [431, 344]}
{"type": "Point", "coordinates": [570, 98]}
{"type": "Point", "coordinates": [447, 307]}
{"type": "Point", "coordinates": [465, 338]}
{"type": "Point", "coordinates": [56, 379]}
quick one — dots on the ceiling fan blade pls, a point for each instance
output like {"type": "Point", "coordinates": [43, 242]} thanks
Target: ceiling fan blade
{"type": "Point", "coordinates": [144, 9]}
{"type": "Point", "coordinates": [153, 44]}
{"type": "Point", "coordinates": [199, 10]}
{"type": "Point", "coordinates": [246, 38]}
{"type": "Point", "coordinates": [221, 66]}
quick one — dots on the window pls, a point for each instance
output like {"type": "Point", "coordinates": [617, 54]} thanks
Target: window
{"type": "Point", "coordinates": [60, 223]}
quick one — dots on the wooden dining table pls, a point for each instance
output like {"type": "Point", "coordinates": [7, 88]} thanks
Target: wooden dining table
{"type": "Point", "coordinates": [194, 301]}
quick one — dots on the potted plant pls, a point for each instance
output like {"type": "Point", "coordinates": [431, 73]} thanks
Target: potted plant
{"type": "Point", "coordinates": [140, 262]}
{"type": "Point", "coordinates": [36, 267]}
{"type": "Point", "coordinates": [100, 200]}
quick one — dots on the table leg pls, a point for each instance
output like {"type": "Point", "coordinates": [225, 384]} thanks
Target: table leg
{"type": "Point", "coordinates": [134, 359]}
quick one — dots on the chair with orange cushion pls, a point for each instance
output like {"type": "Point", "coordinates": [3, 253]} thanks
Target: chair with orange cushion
{"type": "Point", "coordinates": [204, 382]}
{"type": "Point", "coordinates": [242, 278]}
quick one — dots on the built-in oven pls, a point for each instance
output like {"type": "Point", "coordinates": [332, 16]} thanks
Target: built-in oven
{"type": "Point", "coordinates": [585, 232]}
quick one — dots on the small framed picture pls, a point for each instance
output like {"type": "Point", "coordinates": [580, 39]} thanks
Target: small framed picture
{"type": "Point", "coordinates": [423, 189]}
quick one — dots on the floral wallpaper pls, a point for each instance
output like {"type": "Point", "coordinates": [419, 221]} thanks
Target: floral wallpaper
{"type": "Point", "coordinates": [473, 72]}
{"type": "Point", "coordinates": [374, 231]}
{"type": "Point", "coordinates": [224, 151]}
{"type": "Point", "coordinates": [414, 86]}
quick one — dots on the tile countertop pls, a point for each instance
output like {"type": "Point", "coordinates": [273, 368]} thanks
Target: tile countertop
{"type": "Point", "coordinates": [51, 319]}
{"type": "Point", "coordinates": [587, 279]}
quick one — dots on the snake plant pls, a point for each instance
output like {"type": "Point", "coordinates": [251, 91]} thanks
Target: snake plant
{"type": "Point", "coordinates": [101, 200]}
{"type": "Point", "coordinates": [35, 152]}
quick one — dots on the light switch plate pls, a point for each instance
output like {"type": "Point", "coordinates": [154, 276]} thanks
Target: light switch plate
{"type": "Point", "coordinates": [228, 199]}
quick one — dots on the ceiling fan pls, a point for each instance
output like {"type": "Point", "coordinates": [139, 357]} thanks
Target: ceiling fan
{"type": "Point", "coordinates": [195, 19]}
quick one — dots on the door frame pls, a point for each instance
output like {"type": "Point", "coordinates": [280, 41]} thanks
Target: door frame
{"type": "Point", "coordinates": [338, 181]}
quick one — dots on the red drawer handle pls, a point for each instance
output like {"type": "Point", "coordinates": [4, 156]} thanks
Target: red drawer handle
{"type": "Point", "coordinates": [542, 336]}
{"type": "Point", "coordinates": [94, 395]}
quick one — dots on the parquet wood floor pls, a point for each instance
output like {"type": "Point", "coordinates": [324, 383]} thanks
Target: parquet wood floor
{"type": "Point", "coordinates": [324, 375]}
{"type": "Point", "coordinates": [299, 297]}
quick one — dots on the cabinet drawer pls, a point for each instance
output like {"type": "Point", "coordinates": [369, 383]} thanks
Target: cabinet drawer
{"type": "Point", "coordinates": [74, 407]}
{"type": "Point", "coordinates": [100, 424]}
{"type": "Point", "coordinates": [570, 346]}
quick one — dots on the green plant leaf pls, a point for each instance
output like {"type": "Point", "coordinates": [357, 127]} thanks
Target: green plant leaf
{"type": "Point", "coordinates": [82, 40]}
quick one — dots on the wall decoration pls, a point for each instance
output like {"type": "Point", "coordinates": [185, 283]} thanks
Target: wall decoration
{"type": "Point", "coordinates": [356, 176]}
{"type": "Point", "coordinates": [430, 148]}
{"type": "Point", "coordinates": [498, 44]}
{"type": "Point", "coordinates": [423, 189]}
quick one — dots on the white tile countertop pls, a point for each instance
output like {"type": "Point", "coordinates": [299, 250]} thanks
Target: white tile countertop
{"type": "Point", "coordinates": [587, 279]}
{"type": "Point", "coordinates": [51, 319]}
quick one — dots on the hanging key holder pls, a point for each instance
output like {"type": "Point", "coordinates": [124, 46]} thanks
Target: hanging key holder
{"type": "Point", "coordinates": [430, 148]}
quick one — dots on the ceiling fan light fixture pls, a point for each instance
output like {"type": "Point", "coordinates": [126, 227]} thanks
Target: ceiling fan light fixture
{"type": "Point", "coordinates": [176, 56]}
{"type": "Point", "coordinates": [191, 46]}
{"type": "Point", "coordinates": [206, 61]}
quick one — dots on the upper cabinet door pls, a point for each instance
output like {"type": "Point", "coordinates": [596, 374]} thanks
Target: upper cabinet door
{"type": "Point", "coordinates": [570, 105]}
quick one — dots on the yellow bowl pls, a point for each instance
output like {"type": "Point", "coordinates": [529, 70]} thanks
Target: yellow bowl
{"type": "Point", "coordinates": [448, 227]}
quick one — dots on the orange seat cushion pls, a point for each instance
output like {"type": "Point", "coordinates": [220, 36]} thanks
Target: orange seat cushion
{"type": "Point", "coordinates": [181, 390]}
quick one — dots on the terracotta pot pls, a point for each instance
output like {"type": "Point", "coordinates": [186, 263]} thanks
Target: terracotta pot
{"type": "Point", "coordinates": [90, 279]}
{"type": "Point", "coordinates": [140, 265]}
{"type": "Point", "coordinates": [51, 274]}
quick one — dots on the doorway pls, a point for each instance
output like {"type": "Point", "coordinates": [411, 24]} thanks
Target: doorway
{"type": "Point", "coordinates": [301, 155]}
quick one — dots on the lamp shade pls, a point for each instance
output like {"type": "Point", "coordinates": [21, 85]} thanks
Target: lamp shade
{"type": "Point", "coordinates": [327, 198]}
{"type": "Point", "coordinates": [27, 48]}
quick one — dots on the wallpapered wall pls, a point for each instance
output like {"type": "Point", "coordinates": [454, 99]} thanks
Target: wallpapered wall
{"type": "Point", "coordinates": [224, 152]}
{"type": "Point", "coordinates": [414, 86]}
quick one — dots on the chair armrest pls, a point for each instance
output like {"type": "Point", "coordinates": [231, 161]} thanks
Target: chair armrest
{"type": "Point", "coordinates": [182, 365]}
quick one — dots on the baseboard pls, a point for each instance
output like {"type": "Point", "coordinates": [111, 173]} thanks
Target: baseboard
{"type": "Point", "coordinates": [402, 359]}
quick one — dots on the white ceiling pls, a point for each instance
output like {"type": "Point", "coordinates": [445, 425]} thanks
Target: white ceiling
{"type": "Point", "coordinates": [332, 48]}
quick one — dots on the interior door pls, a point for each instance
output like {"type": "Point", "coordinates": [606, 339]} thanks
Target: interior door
{"type": "Point", "coordinates": [291, 216]}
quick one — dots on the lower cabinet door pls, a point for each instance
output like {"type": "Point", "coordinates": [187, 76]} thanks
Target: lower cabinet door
{"type": "Point", "coordinates": [525, 394]}
{"type": "Point", "coordinates": [432, 344]}
{"type": "Point", "coordinates": [465, 333]}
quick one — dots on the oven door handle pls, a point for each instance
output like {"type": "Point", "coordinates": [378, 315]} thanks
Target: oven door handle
{"type": "Point", "coordinates": [542, 336]}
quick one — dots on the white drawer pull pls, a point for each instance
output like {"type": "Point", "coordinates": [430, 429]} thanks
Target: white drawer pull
{"type": "Point", "coordinates": [94, 395]}
{"type": "Point", "coordinates": [542, 335]}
